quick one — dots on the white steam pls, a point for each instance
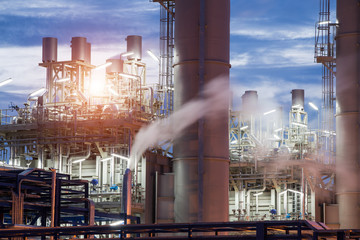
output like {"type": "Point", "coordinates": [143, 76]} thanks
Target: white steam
{"type": "Point", "coordinates": [215, 98]}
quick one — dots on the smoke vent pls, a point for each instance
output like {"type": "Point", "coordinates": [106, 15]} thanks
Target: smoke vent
{"type": "Point", "coordinates": [115, 67]}
{"type": "Point", "coordinates": [134, 44]}
{"type": "Point", "coordinates": [298, 96]}
{"type": "Point", "coordinates": [49, 49]}
{"type": "Point", "coordinates": [78, 49]}
{"type": "Point", "coordinates": [249, 101]}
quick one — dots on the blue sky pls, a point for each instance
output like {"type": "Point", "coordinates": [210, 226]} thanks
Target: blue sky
{"type": "Point", "coordinates": [272, 42]}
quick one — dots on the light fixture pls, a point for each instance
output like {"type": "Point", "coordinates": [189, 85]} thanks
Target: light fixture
{"type": "Point", "coordinates": [129, 75]}
{"type": "Point", "coordinates": [299, 124]}
{"type": "Point", "coordinates": [106, 159]}
{"type": "Point", "coordinates": [121, 157]}
{"type": "Point", "coordinates": [121, 222]}
{"type": "Point", "coordinates": [234, 141]}
{"type": "Point", "coordinates": [324, 22]}
{"type": "Point", "coordinates": [313, 106]}
{"type": "Point", "coordinates": [153, 56]}
{"type": "Point", "coordinates": [2, 83]}
{"type": "Point", "coordinates": [112, 91]}
{"type": "Point", "coordinates": [126, 54]}
{"type": "Point", "coordinates": [278, 130]}
{"type": "Point", "coordinates": [37, 93]}
{"type": "Point", "coordinates": [79, 160]}
{"type": "Point", "coordinates": [61, 80]}
{"type": "Point", "coordinates": [271, 111]}
{"type": "Point", "coordinates": [103, 66]}
{"type": "Point", "coordinates": [276, 137]}
{"type": "Point", "coordinates": [244, 127]}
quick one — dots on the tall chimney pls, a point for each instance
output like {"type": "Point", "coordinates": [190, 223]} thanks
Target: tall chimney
{"type": "Point", "coordinates": [201, 155]}
{"type": "Point", "coordinates": [347, 113]}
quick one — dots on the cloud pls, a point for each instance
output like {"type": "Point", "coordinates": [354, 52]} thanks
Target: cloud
{"type": "Point", "coordinates": [25, 23]}
{"type": "Point", "coordinates": [272, 33]}
{"type": "Point", "coordinates": [275, 56]}
{"type": "Point", "coordinates": [77, 9]}
{"type": "Point", "coordinates": [270, 29]}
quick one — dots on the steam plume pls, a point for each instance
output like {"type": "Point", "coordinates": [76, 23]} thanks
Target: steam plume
{"type": "Point", "coordinates": [215, 98]}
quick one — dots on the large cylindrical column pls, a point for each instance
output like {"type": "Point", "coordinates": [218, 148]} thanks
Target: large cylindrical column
{"type": "Point", "coordinates": [49, 49]}
{"type": "Point", "coordinates": [201, 154]}
{"type": "Point", "coordinates": [347, 113]}
{"type": "Point", "coordinates": [298, 96]}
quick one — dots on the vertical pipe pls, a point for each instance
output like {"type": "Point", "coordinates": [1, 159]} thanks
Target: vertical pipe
{"type": "Point", "coordinates": [201, 121]}
{"type": "Point", "coordinates": [53, 188]}
{"type": "Point", "coordinates": [201, 154]}
{"type": "Point", "coordinates": [347, 113]}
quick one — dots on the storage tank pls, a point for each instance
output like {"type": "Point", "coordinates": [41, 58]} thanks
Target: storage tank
{"type": "Point", "coordinates": [134, 44]}
{"type": "Point", "coordinates": [201, 154]}
{"type": "Point", "coordinates": [78, 49]}
{"type": "Point", "coordinates": [49, 49]}
{"type": "Point", "coordinates": [298, 96]}
{"type": "Point", "coordinates": [347, 113]}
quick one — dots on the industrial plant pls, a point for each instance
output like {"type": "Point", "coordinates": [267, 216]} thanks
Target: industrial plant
{"type": "Point", "coordinates": [130, 159]}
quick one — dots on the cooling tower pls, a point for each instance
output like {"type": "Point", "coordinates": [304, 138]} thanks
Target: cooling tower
{"type": "Point", "coordinates": [201, 154]}
{"type": "Point", "coordinates": [347, 113]}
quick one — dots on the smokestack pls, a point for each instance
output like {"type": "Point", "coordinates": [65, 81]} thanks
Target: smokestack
{"type": "Point", "coordinates": [201, 154]}
{"type": "Point", "coordinates": [79, 48]}
{"type": "Point", "coordinates": [298, 96]}
{"type": "Point", "coordinates": [347, 113]}
{"type": "Point", "coordinates": [49, 49]}
{"type": "Point", "coordinates": [134, 44]}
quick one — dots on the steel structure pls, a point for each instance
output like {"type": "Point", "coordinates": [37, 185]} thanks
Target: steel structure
{"type": "Point", "coordinates": [235, 230]}
{"type": "Point", "coordinates": [325, 54]}
{"type": "Point", "coordinates": [36, 197]}
{"type": "Point", "coordinates": [166, 73]}
{"type": "Point", "coordinates": [77, 132]}
{"type": "Point", "coordinates": [272, 166]}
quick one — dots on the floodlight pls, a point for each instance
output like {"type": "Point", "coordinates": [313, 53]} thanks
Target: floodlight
{"type": "Point", "coordinates": [271, 111]}
{"type": "Point", "coordinates": [121, 157]}
{"type": "Point", "coordinates": [103, 66]}
{"type": "Point", "coordinates": [121, 222]}
{"type": "Point", "coordinates": [37, 93]}
{"type": "Point", "coordinates": [313, 106]}
{"type": "Point", "coordinates": [80, 160]}
{"type": "Point", "coordinates": [129, 75]}
{"type": "Point", "coordinates": [61, 80]}
{"type": "Point", "coordinates": [2, 83]}
{"type": "Point", "coordinates": [153, 56]}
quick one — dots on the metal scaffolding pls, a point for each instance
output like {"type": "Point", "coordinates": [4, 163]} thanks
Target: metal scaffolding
{"type": "Point", "coordinates": [325, 46]}
{"type": "Point", "coordinates": [167, 21]}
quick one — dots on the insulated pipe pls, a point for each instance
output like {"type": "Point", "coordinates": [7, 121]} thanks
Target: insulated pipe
{"type": "Point", "coordinates": [347, 113]}
{"type": "Point", "coordinates": [76, 157]}
{"type": "Point", "coordinates": [248, 197]}
{"type": "Point", "coordinates": [201, 154]}
{"type": "Point", "coordinates": [126, 197]}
